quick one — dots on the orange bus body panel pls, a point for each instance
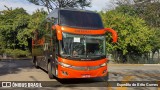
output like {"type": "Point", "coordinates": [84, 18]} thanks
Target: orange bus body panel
{"type": "Point", "coordinates": [82, 31]}
{"type": "Point", "coordinates": [38, 42]}
{"type": "Point", "coordinates": [61, 29]}
{"type": "Point", "coordinates": [114, 34]}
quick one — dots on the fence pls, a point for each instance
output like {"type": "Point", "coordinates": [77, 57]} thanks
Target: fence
{"type": "Point", "coordinates": [148, 58]}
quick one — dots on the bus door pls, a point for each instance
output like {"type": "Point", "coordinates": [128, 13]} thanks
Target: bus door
{"type": "Point", "coordinates": [46, 51]}
{"type": "Point", "coordinates": [48, 46]}
{"type": "Point", "coordinates": [54, 54]}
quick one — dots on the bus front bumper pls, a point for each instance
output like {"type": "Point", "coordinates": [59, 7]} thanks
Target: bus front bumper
{"type": "Point", "coordinates": [64, 72]}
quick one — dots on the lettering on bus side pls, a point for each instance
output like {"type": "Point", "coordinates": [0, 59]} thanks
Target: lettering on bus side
{"type": "Point", "coordinates": [82, 31]}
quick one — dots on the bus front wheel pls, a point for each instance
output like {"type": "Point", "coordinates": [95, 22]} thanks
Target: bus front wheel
{"type": "Point", "coordinates": [50, 71]}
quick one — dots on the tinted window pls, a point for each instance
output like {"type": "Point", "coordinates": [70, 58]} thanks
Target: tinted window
{"type": "Point", "coordinates": [80, 19]}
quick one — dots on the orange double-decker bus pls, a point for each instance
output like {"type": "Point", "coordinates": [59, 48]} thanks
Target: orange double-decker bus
{"type": "Point", "coordinates": [71, 44]}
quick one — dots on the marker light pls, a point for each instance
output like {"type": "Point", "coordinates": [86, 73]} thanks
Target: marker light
{"type": "Point", "coordinates": [104, 64]}
{"type": "Point", "coordinates": [64, 65]}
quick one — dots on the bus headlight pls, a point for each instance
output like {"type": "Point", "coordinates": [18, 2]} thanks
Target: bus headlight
{"type": "Point", "coordinates": [104, 64]}
{"type": "Point", "coordinates": [64, 65]}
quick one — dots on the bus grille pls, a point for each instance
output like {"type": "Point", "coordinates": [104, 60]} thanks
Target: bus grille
{"type": "Point", "coordinates": [84, 68]}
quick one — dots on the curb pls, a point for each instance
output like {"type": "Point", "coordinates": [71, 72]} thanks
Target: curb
{"type": "Point", "coordinates": [16, 59]}
{"type": "Point", "coordinates": [151, 64]}
{"type": "Point", "coordinates": [133, 64]}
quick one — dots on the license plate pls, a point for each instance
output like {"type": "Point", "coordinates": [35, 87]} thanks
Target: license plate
{"type": "Point", "coordinates": [86, 76]}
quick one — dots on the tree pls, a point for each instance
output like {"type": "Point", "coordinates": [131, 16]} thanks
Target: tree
{"type": "Point", "coordinates": [149, 11]}
{"type": "Point", "coordinates": [51, 4]}
{"type": "Point", "coordinates": [134, 36]}
{"type": "Point", "coordinates": [36, 19]}
{"type": "Point", "coordinates": [34, 22]}
{"type": "Point", "coordinates": [16, 30]}
{"type": "Point", "coordinates": [12, 23]}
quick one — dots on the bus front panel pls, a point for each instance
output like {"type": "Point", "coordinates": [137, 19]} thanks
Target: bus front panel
{"type": "Point", "coordinates": [82, 56]}
{"type": "Point", "coordinates": [81, 69]}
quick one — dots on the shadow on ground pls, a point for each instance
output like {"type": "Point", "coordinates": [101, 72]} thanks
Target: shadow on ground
{"type": "Point", "coordinates": [14, 66]}
{"type": "Point", "coordinates": [17, 66]}
{"type": "Point", "coordinates": [144, 76]}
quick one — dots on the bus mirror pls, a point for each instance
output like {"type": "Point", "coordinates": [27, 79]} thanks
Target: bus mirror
{"type": "Point", "coordinates": [59, 32]}
{"type": "Point", "coordinates": [53, 27]}
{"type": "Point", "coordinates": [114, 34]}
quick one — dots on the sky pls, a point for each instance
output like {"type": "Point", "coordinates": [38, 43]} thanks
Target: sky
{"type": "Point", "coordinates": [30, 8]}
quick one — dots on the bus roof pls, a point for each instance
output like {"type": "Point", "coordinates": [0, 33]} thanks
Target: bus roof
{"type": "Point", "coordinates": [54, 13]}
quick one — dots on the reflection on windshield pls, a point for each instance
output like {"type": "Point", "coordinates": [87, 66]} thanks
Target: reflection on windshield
{"type": "Point", "coordinates": [83, 46]}
{"type": "Point", "coordinates": [85, 19]}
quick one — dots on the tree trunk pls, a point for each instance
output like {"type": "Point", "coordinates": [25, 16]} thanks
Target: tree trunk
{"type": "Point", "coordinates": [116, 57]}
{"type": "Point", "coordinates": [158, 57]}
{"type": "Point", "coordinates": [152, 55]}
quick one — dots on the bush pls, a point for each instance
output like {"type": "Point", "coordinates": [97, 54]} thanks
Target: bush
{"type": "Point", "coordinates": [16, 53]}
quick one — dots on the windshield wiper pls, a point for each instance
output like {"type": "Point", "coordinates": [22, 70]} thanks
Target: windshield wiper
{"type": "Point", "coordinates": [67, 56]}
{"type": "Point", "coordinates": [94, 55]}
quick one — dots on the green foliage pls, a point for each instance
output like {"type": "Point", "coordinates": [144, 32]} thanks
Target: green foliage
{"type": "Point", "coordinates": [133, 34]}
{"type": "Point", "coordinates": [155, 40]}
{"type": "Point", "coordinates": [36, 23]}
{"type": "Point", "coordinates": [127, 9]}
{"type": "Point", "coordinates": [36, 19]}
{"type": "Point", "coordinates": [149, 11]}
{"type": "Point", "coordinates": [13, 22]}
{"type": "Point", "coordinates": [17, 27]}
{"type": "Point", "coordinates": [16, 53]}
{"type": "Point", "coordinates": [42, 30]}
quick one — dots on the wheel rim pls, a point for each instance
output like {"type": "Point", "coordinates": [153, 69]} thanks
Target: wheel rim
{"type": "Point", "coordinates": [48, 67]}
{"type": "Point", "coordinates": [56, 71]}
{"type": "Point", "coordinates": [50, 71]}
{"type": "Point", "coordinates": [36, 64]}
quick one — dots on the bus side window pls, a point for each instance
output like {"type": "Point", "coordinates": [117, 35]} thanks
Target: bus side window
{"type": "Point", "coordinates": [54, 21]}
{"type": "Point", "coordinates": [54, 40]}
{"type": "Point", "coordinates": [56, 43]}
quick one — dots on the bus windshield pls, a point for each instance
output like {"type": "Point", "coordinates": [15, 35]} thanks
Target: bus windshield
{"type": "Point", "coordinates": [80, 19]}
{"type": "Point", "coordinates": [84, 46]}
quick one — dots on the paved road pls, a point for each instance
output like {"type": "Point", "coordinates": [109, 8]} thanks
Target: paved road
{"type": "Point", "coordinates": [23, 70]}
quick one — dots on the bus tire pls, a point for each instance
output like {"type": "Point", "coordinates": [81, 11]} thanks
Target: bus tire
{"type": "Point", "coordinates": [105, 78]}
{"type": "Point", "coordinates": [51, 76]}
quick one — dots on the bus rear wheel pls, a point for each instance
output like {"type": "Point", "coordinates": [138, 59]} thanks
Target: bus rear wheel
{"type": "Point", "coordinates": [50, 71]}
